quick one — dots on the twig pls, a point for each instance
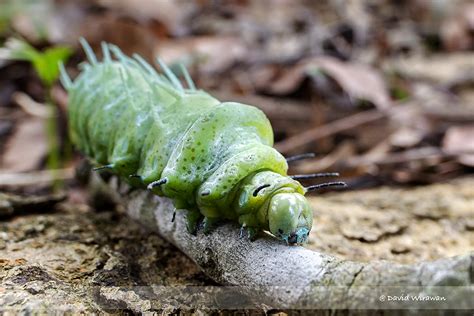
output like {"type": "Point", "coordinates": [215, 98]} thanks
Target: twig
{"type": "Point", "coordinates": [35, 177]}
{"type": "Point", "coordinates": [30, 106]}
{"type": "Point", "coordinates": [401, 157]}
{"type": "Point", "coordinates": [297, 141]}
{"type": "Point", "coordinates": [281, 276]}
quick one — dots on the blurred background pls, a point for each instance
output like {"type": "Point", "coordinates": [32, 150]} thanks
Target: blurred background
{"type": "Point", "coordinates": [381, 91]}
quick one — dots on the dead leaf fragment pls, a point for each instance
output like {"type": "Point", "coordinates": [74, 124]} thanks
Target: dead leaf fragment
{"type": "Point", "coordinates": [171, 13]}
{"type": "Point", "coordinates": [406, 137]}
{"type": "Point", "coordinates": [359, 81]}
{"type": "Point", "coordinates": [212, 54]}
{"type": "Point", "coordinates": [27, 146]}
{"type": "Point", "coordinates": [440, 68]}
{"type": "Point", "coordinates": [460, 140]}
{"type": "Point", "coordinates": [456, 31]}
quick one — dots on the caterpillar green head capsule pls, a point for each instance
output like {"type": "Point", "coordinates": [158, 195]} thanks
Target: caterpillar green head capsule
{"type": "Point", "coordinates": [290, 217]}
{"type": "Point", "coordinates": [277, 204]}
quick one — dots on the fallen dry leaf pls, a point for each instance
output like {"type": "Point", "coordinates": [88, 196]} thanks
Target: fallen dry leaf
{"type": "Point", "coordinates": [359, 81]}
{"type": "Point", "coordinates": [442, 68]}
{"type": "Point", "coordinates": [130, 37]}
{"type": "Point", "coordinates": [26, 147]}
{"type": "Point", "coordinates": [211, 54]}
{"type": "Point", "coordinates": [460, 140]}
{"type": "Point", "coordinates": [456, 31]}
{"type": "Point", "coordinates": [344, 150]}
{"type": "Point", "coordinates": [406, 137]}
{"type": "Point", "coordinates": [31, 22]}
{"type": "Point", "coordinates": [171, 13]}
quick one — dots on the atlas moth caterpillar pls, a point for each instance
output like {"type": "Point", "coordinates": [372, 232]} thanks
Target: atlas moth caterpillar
{"type": "Point", "coordinates": [214, 159]}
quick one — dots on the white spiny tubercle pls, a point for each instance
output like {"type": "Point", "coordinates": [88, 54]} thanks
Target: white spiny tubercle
{"type": "Point", "coordinates": [152, 71]}
{"type": "Point", "coordinates": [84, 66]}
{"type": "Point", "coordinates": [122, 57]}
{"type": "Point", "coordinates": [156, 183]}
{"type": "Point", "coordinates": [88, 50]}
{"type": "Point", "coordinates": [171, 76]}
{"type": "Point", "coordinates": [124, 78]}
{"type": "Point", "coordinates": [146, 66]}
{"type": "Point", "coordinates": [105, 52]}
{"type": "Point", "coordinates": [187, 77]}
{"type": "Point", "coordinates": [65, 80]}
{"type": "Point", "coordinates": [141, 64]}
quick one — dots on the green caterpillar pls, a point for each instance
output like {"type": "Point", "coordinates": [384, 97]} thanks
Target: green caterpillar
{"type": "Point", "coordinates": [211, 158]}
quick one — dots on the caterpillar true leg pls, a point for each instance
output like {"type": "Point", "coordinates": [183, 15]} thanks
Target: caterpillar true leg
{"type": "Point", "coordinates": [157, 183]}
{"type": "Point", "coordinates": [209, 223]}
{"type": "Point", "coordinates": [136, 180]}
{"type": "Point", "coordinates": [252, 233]}
{"type": "Point", "coordinates": [242, 230]}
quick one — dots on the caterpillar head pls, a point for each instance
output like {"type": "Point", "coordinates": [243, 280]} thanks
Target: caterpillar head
{"type": "Point", "coordinates": [290, 217]}
{"type": "Point", "coordinates": [275, 203]}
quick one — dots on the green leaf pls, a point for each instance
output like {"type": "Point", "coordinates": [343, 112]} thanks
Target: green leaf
{"type": "Point", "coordinates": [45, 63]}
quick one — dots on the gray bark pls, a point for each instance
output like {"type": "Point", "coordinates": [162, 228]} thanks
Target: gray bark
{"type": "Point", "coordinates": [283, 276]}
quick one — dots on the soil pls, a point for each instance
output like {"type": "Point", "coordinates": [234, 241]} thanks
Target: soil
{"type": "Point", "coordinates": [403, 225]}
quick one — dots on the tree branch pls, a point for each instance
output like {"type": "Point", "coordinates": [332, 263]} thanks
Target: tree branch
{"type": "Point", "coordinates": [283, 276]}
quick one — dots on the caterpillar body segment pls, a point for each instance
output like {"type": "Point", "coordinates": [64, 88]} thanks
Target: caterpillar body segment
{"type": "Point", "coordinates": [211, 158]}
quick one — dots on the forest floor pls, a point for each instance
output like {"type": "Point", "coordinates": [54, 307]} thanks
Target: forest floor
{"type": "Point", "coordinates": [403, 225]}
